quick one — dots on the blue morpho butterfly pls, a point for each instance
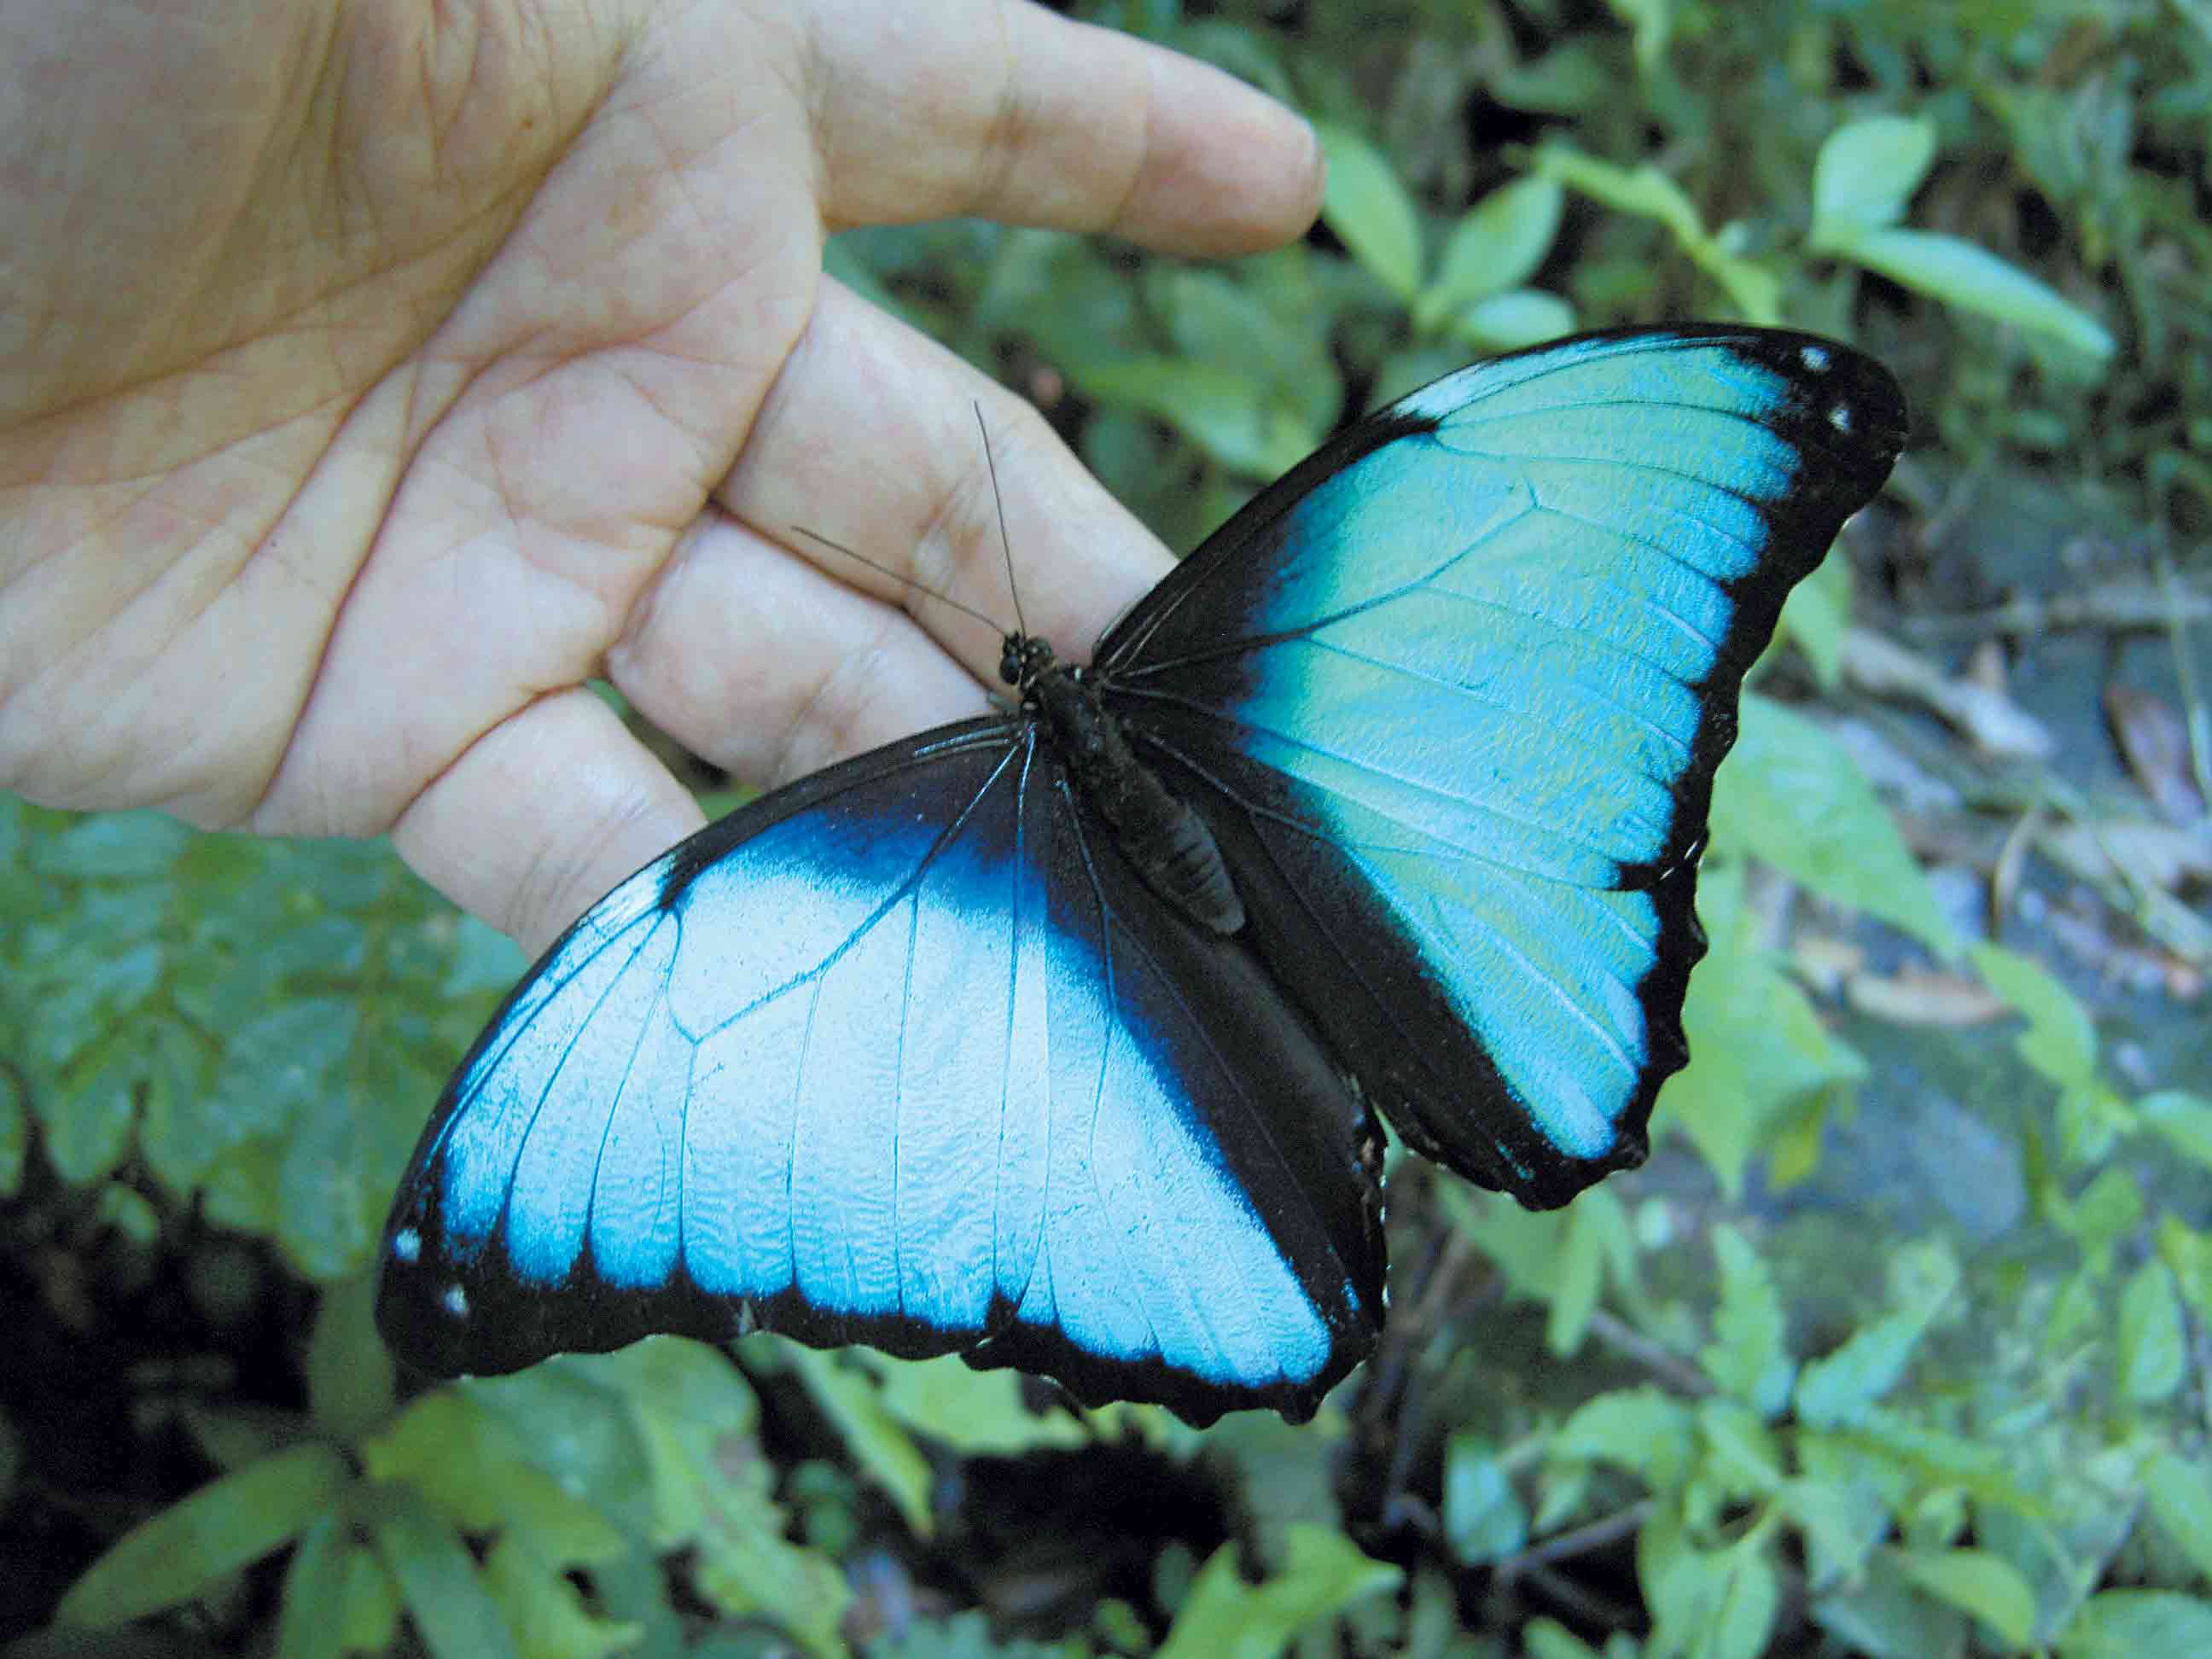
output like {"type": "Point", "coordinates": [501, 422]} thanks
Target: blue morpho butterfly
{"type": "Point", "coordinates": [1052, 1037]}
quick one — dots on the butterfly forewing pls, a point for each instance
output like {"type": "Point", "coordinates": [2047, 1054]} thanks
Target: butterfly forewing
{"type": "Point", "coordinates": [1451, 696]}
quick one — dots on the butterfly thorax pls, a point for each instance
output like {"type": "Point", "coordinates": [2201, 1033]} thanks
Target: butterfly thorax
{"type": "Point", "coordinates": [1167, 842]}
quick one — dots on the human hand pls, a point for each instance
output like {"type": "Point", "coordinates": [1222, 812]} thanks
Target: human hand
{"type": "Point", "coordinates": [375, 373]}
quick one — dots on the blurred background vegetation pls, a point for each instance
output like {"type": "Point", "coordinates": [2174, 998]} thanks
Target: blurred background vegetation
{"type": "Point", "coordinates": [1898, 1346]}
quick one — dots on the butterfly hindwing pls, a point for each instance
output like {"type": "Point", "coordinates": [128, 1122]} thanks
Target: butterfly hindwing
{"type": "Point", "coordinates": [1451, 694]}
{"type": "Point", "coordinates": [898, 1055]}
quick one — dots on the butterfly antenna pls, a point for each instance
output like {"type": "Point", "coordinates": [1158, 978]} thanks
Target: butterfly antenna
{"type": "Point", "coordinates": [990, 462]}
{"type": "Point", "coordinates": [898, 576]}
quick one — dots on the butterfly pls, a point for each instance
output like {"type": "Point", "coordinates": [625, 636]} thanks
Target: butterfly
{"type": "Point", "coordinates": [1055, 1038]}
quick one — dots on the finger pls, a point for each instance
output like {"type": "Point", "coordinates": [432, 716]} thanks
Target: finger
{"type": "Point", "coordinates": [871, 437]}
{"type": "Point", "coordinates": [771, 655]}
{"type": "Point", "coordinates": [771, 668]}
{"type": "Point", "coordinates": [541, 815]}
{"type": "Point", "coordinates": [1002, 110]}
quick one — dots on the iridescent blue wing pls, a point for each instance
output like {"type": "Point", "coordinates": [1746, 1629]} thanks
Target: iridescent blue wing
{"type": "Point", "coordinates": [1451, 694]}
{"type": "Point", "coordinates": [896, 1056]}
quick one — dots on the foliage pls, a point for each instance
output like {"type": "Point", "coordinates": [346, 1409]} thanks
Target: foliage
{"type": "Point", "coordinates": [1760, 1428]}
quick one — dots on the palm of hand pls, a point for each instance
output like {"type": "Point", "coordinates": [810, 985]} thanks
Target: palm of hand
{"type": "Point", "coordinates": [442, 369]}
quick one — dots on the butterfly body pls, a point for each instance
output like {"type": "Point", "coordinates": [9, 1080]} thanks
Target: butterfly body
{"type": "Point", "coordinates": [1166, 842]}
{"type": "Point", "coordinates": [1053, 1039]}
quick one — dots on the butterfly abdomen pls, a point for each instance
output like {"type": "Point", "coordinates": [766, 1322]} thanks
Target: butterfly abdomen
{"type": "Point", "coordinates": [1164, 841]}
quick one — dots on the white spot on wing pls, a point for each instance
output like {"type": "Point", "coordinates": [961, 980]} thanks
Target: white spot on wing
{"type": "Point", "coordinates": [407, 1246]}
{"type": "Point", "coordinates": [1815, 358]}
{"type": "Point", "coordinates": [455, 1302]}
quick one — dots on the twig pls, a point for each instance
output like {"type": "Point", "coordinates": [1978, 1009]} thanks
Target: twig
{"type": "Point", "coordinates": [1591, 1535]}
{"type": "Point", "coordinates": [1624, 1338]}
{"type": "Point", "coordinates": [2132, 606]}
{"type": "Point", "coordinates": [2195, 720]}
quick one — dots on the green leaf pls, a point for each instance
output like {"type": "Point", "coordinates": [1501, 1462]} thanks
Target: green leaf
{"type": "Point", "coordinates": [1371, 212]}
{"type": "Point", "coordinates": [1301, 293]}
{"type": "Point", "coordinates": [1574, 79]}
{"type": "Point", "coordinates": [1225, 1617]}
{"type": "Point", "coordinates": [1678, 1579]}
{"type": "Point", "coordinates": [1751, 1595]}
{"type": "Point", "coordinates": [179, 1092]}
{"type": "Point", "coordinates": [15, 1131]}
{"type": "Point", "coordinates": [1789, 795]}
{"type": "Point", "coordinates": [468, 1461]}
{"type": "Point", "coordinates": [87, 1129]}
{"type": "Point", "coordinates": [1581, 1274]}
{"type": "Point", "coordinates": [277, 1068]}
{"type": "Point", "coordinates": [1715, 1604]}
{"type": "Point", "coordinates": [1867, 171]}
{"type": "Point", "coordinates": [1741, 1454]}
{"type": "Point", "coordinates": [1227, 413]}
{"type": "Point", "coordinates": [1758, 1048]}
{"type": "Point", "coordinates": [314, 1585]}
{"type": "Point", "coordinates": [453, 1612]}
{"type": "Point", "coordinates": [1653, 22]}
{"type": "Point", "coordinates": [1977, 1581]}
{"type": "Point", "coordinates": [568, 1423]}
{"type": "Point", "coordinates": [322, 945]}
{"type": "Point", "coordinates": [329, 1210]}
{"type": "Point", "coordinates": [544, 1609]}
{"type": "Point", "coordinates": [228, 1524]}
{"type": "Point", "coordinates": [1644, 190]}
{"type": "Point", "coordinates": [2180, 1492]}
{"type": "Point", "coordinates": [1641, 1429]}
{"type": "Point", "coordinates": [1931, 1457]}
{"type": "Point", "coordinates": [369, 1613]}
{"type": "Point", "coordinates": [1496, 246]}
{"type": "Point", "coordinates": [1816, 616]}
{"type": "Point", "coordinates": [1525, 1246]}
{"type": "Point", "coordinates": [128, 1211]}
{"type": "Point", "coordinates": [2108, 1210]}
{"type": "Point", "coordinates": [2152, 1351]}
{"type": "Point", "coordinates": [1961, 274]}
{"type": "Point", "coordinates": [350, 1379]}
{"type": "Point", "coordinates": [1755, 290]}
{"type": "Point", "coordinates": [1597, 1235]}
{"type": "Point", "coordinates": [2185, 1120]}
{"type": "Point", "coordinates": [86, 992]}
{"type": "Point", "coordinates": [712, 1484]}
{"type": "Point", "coordinates": [1747, 1357]}
{"type": "Point", "coordinates": [1519, 317]}
{"type": "Point", "coordinates": [1211, 318]}
{"type": "Point", "coordinates": [482, 959]}
{"type": "Point", "coordinates": [241, 1189]}
{"type": "Point", "coordinates": [1484, 1519]}
{"type": "Point", "coordinates": [2189, 1253]}
{"type": "Point", "coordinates": [975, 1413]}
{"type": "Point", "coordinates": [2136, 1624]}
{"type": "Point", "coordinates": [1924, 1275]}
{"type": "Point", "coordinates": [2061, 1039]}
{"type": "Point", "coordinates": [1842, 1521]}
{"type": "Point", "coordinates": [850, 1398]}
{"type": "Point", "coordinates": [1838, 1389]}
{"type": "Point", "coordinates": [1542, 1639]}
{"type": "Point", "coordinates": [963, 1636]}
{"type": "Point", "coordinates": [233, 1437]}
{"type": "Point", "coordinates": [113, 847]}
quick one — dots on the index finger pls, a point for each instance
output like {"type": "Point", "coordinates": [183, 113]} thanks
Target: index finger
{"type": "Point", "coordinates": [1002, 110]}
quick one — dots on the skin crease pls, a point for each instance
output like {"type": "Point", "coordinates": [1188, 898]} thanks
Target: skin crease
{"type": "Point", "coordinates": [373, 373]}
